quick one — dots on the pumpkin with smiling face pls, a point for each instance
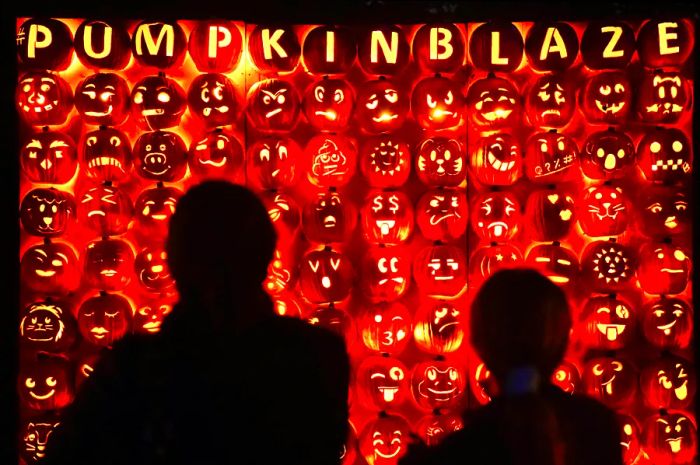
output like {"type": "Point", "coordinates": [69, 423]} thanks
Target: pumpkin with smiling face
{"type": "Point", "coordinates": [160, 156]}
{"type": "Point", "coordinates": [550, 157]}
{"type": "Point", "coordinates": [272, 162]}
{"type": "Point", "coordinates": [106, 153]}
{"type": "Point", "coordinates": [667, 323]}
{"type": "Point", "coordinates": [103, 99]}
{"type": "Point", "coordinates": [611, 380]}
{"type": "Point", "coordinates": [43, 98]}
{"type": "Point", "coordinates": [669, 382]}
{"type": "Point", "coordinates": [496, 216]}
{"type": "Point", "coordinates": [328, 104]}
{"type": "Point", "coordinates": [50, 268]}
{"type": "Point", "coordinates": [384, 440]}
{"type": "Point", "coordinates": [212, 99]}
{"type": "Point", "coordinates": [441, 162]}
{"type": "Point", "coordinates": [665, 155]}
{"type": "Point", "coordinates": [607, 154]}
{"type": "Point", "coordinates": [105, 209]}
{"type": "Point", "coordinates": [273, 106]}
{"type": "Point", "coordinates": [47, 212]}
{"type": "Point", "coordinates": [157, 102]}
{"type": "Point", "coordinates": [153, 209]}
{"type": "Point", "coordinates": [609, 322]}
{"type": "Point", "coordinates": [438, 328]}
{"type": "Point", "coordinates": [663, 211]}
{"type": "Point", "coordinates": [604, 211]}
{"type": "Point", "coordinates": [48, 157]}
{"type": "Point", "coordinates": [382, 106]}
{"type": "Point", "coordinates": [385, 161]}
{"type": "Point", "coordinates": [440, 271]}
{"type": "Point", "coordinates": [45, 383]}
{"type": "Point", "coordinates": [551, 101]}
{"type": "Point", "coordinates": [497, 160]}
{"type": "Point", "coordinates": [104, 319]}
{"type": "Point", "coordinates": [216, 154]}
{"type": "Point", "coordinates": [608, 266]}
{"type": "Point", "coordinates": [607, 98]}
{"type": "Point", "coordinates": [437, 384]}
{"type": "Point", "coordinates": [442, 214]}
{"type": "Point", "coordinates": [47, 326]}
{"type": "Point", "coordinates": [151, 269]}
{"type": "Point", "coordinates": [670, 438]}
{"type": "Point", "coordinates": [382, 382]}
{"type": "Point", "coordinates": [493, 103]}
{"type": "Point", "coordinates": [662, 97]}
{"type": "Point", "coordinates": [108, 264]}
{"type": "Point", "coordinates": [664, 268]}
{"type": "Point", "coordinates": [437, 103]}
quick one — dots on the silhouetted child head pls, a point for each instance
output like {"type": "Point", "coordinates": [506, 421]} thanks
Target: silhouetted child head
{"type": "Point", "coordinates": [520, 319]}
{"type": "Point", "coordinates": [220, 241]}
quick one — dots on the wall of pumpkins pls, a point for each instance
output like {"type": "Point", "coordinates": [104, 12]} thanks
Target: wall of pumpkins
{"type": "Point", "coordinates": [401, 165]}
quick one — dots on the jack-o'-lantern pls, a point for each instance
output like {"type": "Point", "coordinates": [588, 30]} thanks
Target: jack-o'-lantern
{"type": "Point", "coordinates": [608, 322]}
{"type": "Point", "coordinates": [489, 259]}
{"type": "Point", "coordinates": [215, 45]}
{"type": "Point", "coordinates": [663, 211]}
{"type": "Point", "coordinates": [47, 212]}
{"type": "Point", "coordinates": [440, 162]}
{"type": "Point", "coordinates": [603, 211]}
{"type": "Point", "coordinates": [331, 160]}
{"type": "Point", "coordinates": [153, 209]}
{"type": "Point", "coordinates": [496, 46]}
{"type": "Point", "coordinates": [348, 453]}
{"type": "Point", "coordinates": [437, 328]}
{"type": "Point", "coordinates": [550, 157]}
{"type": "Point", "coordinates": [274, 48]}
{"type": "Point", "coordinates": [47, 326]}
{"type": "Point", "coordinates": [104, 319]}
{"type": "Point", "coordinates": [328, 218]}
{"type": "Point", "coordinates": [385, 327]}
{"type": "Point", "coordinates": [662, 43]}
{"type": "Point", "coordinates": [383, 50]}
{"type": "Point", "coordinates": [286, 304]}
{"type": "Point", "coordinates": [665, 155]}
{"type": "Point", "coordinates": [566, 377]}
{"type": "Point", "coordinates": [437, 384]}
{"type": "Point", "coordinates": [336, 320]}
{"type": "Point", "coordinates": [440, 271]}
{"type": "Point", "coordinates": [212, 99]}
{"type": "Point", "coordinates": [667, 323]}
{"type": "Point", "coordinates": [329, 50]}
{"type": "Point", "coordinates": [551, 101]}
{"type": "Point", "coordinates": [437, 103]}
{"type": "Point", "coordinates": [49, 157]}
{"type": "Point", "coordinates": [272, 163]}
{"type": "Point", "coordinates": [86, 365]}
{"type": "Point", "coordinates": [385, 274]}
{"type": "Point", "coordinates": [161, 44]}
{"type": "Point", "coordinates": [387, 218]}
{"type": "Point", "coordinates": [663, 268]}
{"type": "Point", "coordinates": [607, 154]}
{"type": "Point", "coordinates": [385, 161]}
{"type": "Point", "coordinates": [43, 98]}
{"type": "Point", "coordinates": [382, 106]}
{"type": "Point", "coordinates": [483, 384]}
{"type": "Point", "coordinates": [273, 105]}
{"type": "Point", "coordinates": [325, 276]}
{"type": "Point", "coordinates": [662, 97]}
{"type": "Point", "coordinates": [280, 273]}
{"type": "Point", "coordinates": [106, 210]}
{"type": "Point", "coordinates": [384, 440]}
{"type": "Point", "coordinates": [608, 266]}
{"type": "Point", "coordinates": [549, 214]}
{"type": "Point", "coordinates": [611, 380]}
{"type": "Point", "coordinates": [442, 214]}
{"type": "Point", "coordinates": [497, 160]}
{"type": "Point", "coordinates": [151, 269]}
{"type": "Point", "coordinates": [157, 102]}
{"type": "Point", "coordinates": [328, 104]}
{"type": "Point", "coordinates": [45, 43]}
{"type": "Point", "coordinates": [217, 154]}
{"type": "Point", "coordinates": [103, 99]}
{"type": "Point", "coordinates": [630, 438]}
{"type": "Point", "coordinates": [50, 268]}
{"type": "Point", "coordinates": [103, 44]}
{"type": "Point", "coordinates": [496, 216]}
{"type": "Point", "coordinates": [106, 155]}
{"type": "Point", "coordinates": [150, 314]}
{"type": "Point", "coordinates": [284, 213]}
{"type": "Point", "coordinates": [108, 264]}
{"type": "Point", "coordinates": [160, 156]}
{"type": "Point", "coordinates": [670, 438]}
{"type": "Point", "coordinates": [45, 383]}
{"type": "Point", "coordinates": [669, 382]}
{"type": "Point", "coordinates": [382, 382]}
{"type": "Point", "coordinates": [607, 44]}
{"type": "Point", "coordinates": [35, 435]}
{"type": "Point", "coordinates": [551, 46]}
{"type": "Point", "coordinates": [607, 98]}
{"type": "Point", "coordinates": [558, 263]}
{"type": "Point", "coordinates": [433, 428]}
{"type": "Point", "coordinates": [439, 47]}
{"type": "Point", "coordinates": [493, 103]}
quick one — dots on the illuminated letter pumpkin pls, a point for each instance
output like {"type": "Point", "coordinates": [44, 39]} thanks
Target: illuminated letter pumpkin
{"type": "Point", "coordinates": [440, 271]}
{"type": "Point", "coordinates": [109, 264]}
{"type": "Point", "coordinates": [103, 99]}
{"type": "Point", "coordinates": [669, 382]}
{"type": "Point", "coordinates": [150, 314]}
{"type": "Point", "coordinates": [328, 104]}
{"type": "Point", "coordinates": [551, 101]}
{"type": "Point", "coordinates": [161, 44]}
{"type": "Point", "coordinates": [662, 43]}
{"type": "Point", "coordinates": [273, 105]}
{"type": "Point", "coordinates": [160, 156]}
{"type": "Point", "coordinates": [48, 157]}
{"type": "Point", "coordinates": [217, 154]}
{"type": "Point", "coordinates": [106, 210]}
{"type": "Point", "coordinates": [611, 380]}
{"type": "Point", "coordinates": [157, 102]}
{"type": "Point", "coordinates": [385, 327]}
{"type": "Point", "coordinates": [437, 328]}
{"type": "Point", "coordinates": [549, 214]}
{"type": "Point", "coordinates": [329, 50]}
{"type": "Point", "coordinates": [667, 323]}
{"type": "Point", "coordinates": [385, 161]}
{"type": "Point", "coordinates": [608, 266]}
{"type": "Point", "coordinates": [497, 160]}
{"type": "Point", "coordinates": [609, 322]}
{"type": "Point", "coordinates": [331, 160]}
{"type": "Point", "coordinates": [551, 46]}
{"type": "Point", "coordinates": [607, 98]}
{"type": "Point", "coordinates": [274, 48]}
{"type": "Point", "coordinates": [493, 103]}
{"type": "Point", "coordinates": [45, 383]}
{"type": "Point", "coordinates": [385, 274]}
{"type": "Point", "coordinates": [607, 154]}
{"type": "Point", "coordinates": [106, 153]}
{"type": "Point", "coordinates": [382, 382]}
{"type": "Point", "coordinates": [35, 434]}
{"type": "Point", "coordinates": [104, 319]}
{"type": "Point", "coordinates": [47, 212]}
{"type": "Point", "coordinates": [103, 44]}
{"type": "Point", "coordinates": [439, 47]}
{"type": "Point", "coordinates": [153, 209]}
{"type": "Point", "coordinates": [272, 163]}
{"type": "Point", "coordinates": [665, 155]}
{"type": "Point", "coordinates": [664, 268]}
{"type": "Point", "coordinates": [663, 211]}
{"type": "Point", "coordinates": [45, 43]}
{"type": "Point", "coordinates": [387, 217]}
{"type": "Point", "coordinates": [383, 50]}
{"type": "Point", "coordinates": [215, 45]}
{"type": "Point", "coordinates": [212, 99]}
{"type": "Point", "coordinates": [442, 214]}
{"type": "Point", "coordinates": [437, 103]}
{"type": "Point", "coordinates": [47, 326]}
{"type": "Point", "coordinates": [437, 384]}
{"type": "Point", "coordinates": [559, 264]}
{"type": "Point", "coordinates": [384, 440]}
{"type": "Point", "coordinates": [607, 44]}
{"type": "Point", "coordinates": [566, 377]}
{"type": "Point", "coordinates": [328, 218]}
{"type": "Point", "coordinates": [50, 268]}
{"type": "Point", "coordinates": [433, 428]}
{"type": "Point", "coordinates": [496, 216]}
{"type": "Point", "coordinates": [43, 98]}
{"type": "Point", "coordinates": [325, 276]}
{"type": "Point", "coordinates": [496, 46]}
{"type": "Point", "coordinates": [662, 97]}
{"type": "Point", "coordinates": [381, 106]}
{"type": "Point", "coordinates": [603, 211]}
{"type": "Point", "coordinates": [441, 162]}
{"type": "Point", "coordinates": [671, 438]}
{"type": "Point", "coordinates": [151, 269]}
{"type": "Point", "coordinates": [489, 259]}
{"type": "Point", "coordinates": [549, 157]}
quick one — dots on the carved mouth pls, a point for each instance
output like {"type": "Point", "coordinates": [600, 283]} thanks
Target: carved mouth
{"type": "Point", "coordinates": [152, 326]}
{"type": "Point", "coordinates": [384, 117]}
{"type": "Point", "coordinates": [92, 213]}
{"type": "Point", "coordinates": [667, 328]}
{"type": "Point", "coordinates": [43, 397]}
{"type": "Point", "coordinates": [389, 393]}
{"type": "Point", "coordinates": [40, 109]}
{"type": "Point", "coordinates": [109, 273]}
{"type": "Point", "coordinates": [152, 111]}
{"type": "Point", "coordinates": [100, 113]}
{"type": "Point", "coordinates": [396, 279]}
{"type": "Point", "coordinates": [446, 325]}
{"type": "Point", "coordinates": [326, 282]}
{"type": "Point", "coordinates": [551, 111]}
{"type": "Point", "coordinates": [329, 221]}
{"type": "Point", "coordinates": [331, 115]}
{"type": "Point", "coordinates": [272, 113]}
{"type": "Point", "coordinates": [671, 222]}
{"type": "Point", "coordinates": [445, 395]}
{"type": "Point", "coordinates": [385, 226]}
{"type": "Point", "coordinates": [443, 278]}
{"type": "Point", "coordinates": [436, 219]}
{"type": "Point", "coordinates": [215, 164]}
{"type": "Point", "coordinates": [671, 270]}
{"type": "Point", "coordinates": [608, 385]}
{"type": "Point", "coordinates": [499, 165]}
{"type": "Point", "coordinates": [387, 456]}
{"type": "Point", "coordinates": [440, 114]}
{"type": "Point", "coordinates": [496, 114]}
{"type": "Point", "coordinates": [611, 331]}
{"type": "Point", "coordinates": [682, 391]}
{"type": "Point", "coordinates": [611, 108]}
{"type": "Point", "coordinates": [46, 273]}
{"type": "Point", "coordinates": [610, 161]}
{"type": "Point", "coordinates": [498, 228]}
{"type": "Point", "coordinates": [207, 110]}
{"type": "Point", "coordinates": [160, 216]}
{"type": "Point", "coordinates": [675, 444]}
{"type": "Point", "coordinates": [105, 161]}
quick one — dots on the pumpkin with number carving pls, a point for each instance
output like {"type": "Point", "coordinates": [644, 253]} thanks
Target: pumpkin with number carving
{"type": "Point", "coordinates": [662, 43]}
{"type": "Point", "coordinates": [45, 43]}
{"type": "Point", "coordinates": [551, 46]}
{"type": "Point", "coordinates": [662, 97]}
{"type": "Point", "coordinates": [566, 377]}
{"type": "Point", "coordinates": [664, 268]}
{"type": "Point", "coordinates": [43, 98]}
{"type": "Point", "coordinates": [104, 319]}
{"type": "Point", "coordinates": [385, 327]}
{"type": "Point", "coordinates": [382, 382]}
{"type": "Point", "coordinates": [611, 380]}
{"type": "Point", "coordinates": [607, 44]}
{"type": "Point", "coordinates": [607, 98]}
{"type": "Point", "coordinates": [161, 44]}
{"type": "Point", "coordinates": [48, 157]}
{"type": "Point", "coordinates": [50, 268]}
{"type": "Point", "coordinates": [331, 160]}
{"type": "Point", "coordinates": [486, 260]}
{"type": "Point", "coordinates": [160, 156]}
{"type": "Point", "coordinates": [325, 276]}
{"type": "Point", "coordinates": [387, 217]}
{"type": "Point", "coordinates": [441, 162]}
{"type": "Point", "coordinates": [437, 103]}
{"type": "Point", "coordinates": [440, 271]}
{"type": "Point", "coordinates": [215, 45]}
{"type": "Point", "coordinates": [671, 438]}
{"type": "Point", "coordinates": [217, 154]}
{"type": "Point", "coordinates": [442, 214]}
{"type": "Point", "coordinates": [108, 264]}
{"type": "Point", "coordinates": [103, 44]}
{"type": "Point", "coordinates": [274, 48]}
{"type": "Point", "coordinates": [438, 328]}
{"type": "Point", "coordinates": [211, 98]}
{"type": "Point", "coordinates": [496, 216]}
{"type": "Point", "coordinates": [45, 383]}
{"type": "Point", "coordinates": [496, 46]}
{"type": "Point", "coordinates": [669, 382]}
{"type": "Point", "coordinates": [47, 326]}
{"type": "Point", "coordinates": [385, 439]}
{"type": "Point", "coordinates": [383, 50]}
{"type": "Point", "coordinates": [663, 211]}
{"type": "Point", "coordinates": [106, 154]}
{"type": "Point", "coordinates": [439, 47]}
{"type": "Point", "coordinates": [437, 384]}
{"type": "Point", "coordinates": [385, 161]}
{"type": "Point", "coordinates": [329, 50]}
{"type": "Point", "coordinates": [551, 101]}
{"type": "Point", "coordinates": [558, 263]}
{"type": "Point", "coordinates": [272, 162]}
{"type": "Point", "coordinates": [549, 214]}
{"type": "Point", "coordinates": [105, 209]}
{"type": "Point", "coordinates": [329, 218]}
{"type": "Point", "coordinates": [385, 274]}
{"type": "Point", "coordinates": [47, 212]}
{"type": "Point", "coordinates": [609, 322]}
{"type": "Point", "coordinates": [667, 323]}
{"type": "Point", "coordinates": [608, 266]}
{"type": "Point", "coordinates": [550, 157]}
{"type": "Point", "coordinates": [665, 155]}
{"type": "Point", "coordinates": [103, 99]}
{"type": "Point", "coordinates": [603, 211]}
{"type": "Point", "coordinates": [607, 154]}
{"type": "Point", "coordinates": [497, 160]}
{"type": "Point", "coordinates": [157, 102]}
{"type": "Point", "coordinates": [382, 106]}
{"type": "Point", "coordinates": [493, 103]}
{"type": "Point", "coordinates": [273, 105]}
{"type": "Point", "coordinates": [328, 104]}
{"type": "Point", "coordinates": [153, 209]}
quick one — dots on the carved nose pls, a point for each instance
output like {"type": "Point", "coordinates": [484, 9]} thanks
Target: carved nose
{"type": "Point", "coordinates": [157, 268]}
{"type": "Point", "coordinates": [606, 205]}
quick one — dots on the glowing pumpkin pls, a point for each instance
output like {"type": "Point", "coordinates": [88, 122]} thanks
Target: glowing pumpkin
{"type": "Point", "coordinates": [103, 44]}
{"type": "Point", "coordinates": [273, 105]}
{"type": "Point", "coordinates": [47, 212]}
{"type": "Point", "coordinates": [669, 382]}
{"type": "Point", "coordinates": [331, 160]}
{"type": "Point", "coordinates": [663, 268]}
{"type": "Point", "coordinates": [551, 46]}
{"type": "Point", "coordinates": [105, 209]}
{"type": "Point", "coordinates": [662, 43]}
{"type": "Point", "coordinates": [551, 101]}
{"type": "Point", "coordinates": [549, 214]}
{"type": "Point", "coordinates": [385, 161]}
{"type": "Point", "coordinates": [382, 106]}
{"type": "Point", "coordinates": [106, 154]}
{"type": "Point", "coordinates": [604, 211]}
{"type": "Point", "coordinates": [441, 162]}
{"type": "Point", "coordinates": [47, 326]}
{"type": "Point", "coordinates": [496, 46]}
{"type": "Point", "coordinates": [550, 157]}
{"type": "Point", "coordinates": [558, 263]}
{"type": "Point", "coordinates": [493, 103]}
{"type": "Point", "coordinates": [48, 157]}
{"type": "Point", "coordinates": [663, 211]}
{"type": "Point", "coordinates": [437, 384]}
{"type": "Point", "coordinates": [442, 214]}
{"type": "Point", "coordinates": [151, 269]}
{"type": "Point", "coordinates": [497, 160]}
{"type": "Point", "coordinates": [387, 217]}
{"type": "Point", "coordinates": [272, 163]}
{"type": "Point", "coordinates": [440, 271]}
{"type": "Point", "coordinates": [149, 50]}
{"type": "Point", "coordinates": [438, 328]}
{"type": "Point", "coordinates": [662, 97]}
{"type": "Point", "coordinates": [325, 276]}
{"type": "Point", "coordinates": [160, 156]}
{"type": "Point", "coordinates": [607, 44]}
{"type": "Point", "coordinates": [328, 218]}
{"type": "Point", "coordinates": [328, 104]}
{"type": "Point", "coordinates": [217, 154]}
{"type": "Point", "coordinates": [607, 154]}
{"type": "Point", "coordinates": [383, 50]}
{"type": "Point", "coordinates": [611, 380]}
{"type": "Point", "coordinates": [43, 98]}
{"type": "Point", "coordinates": [670, 438]}
{"type": "Point", "coordinates": [384, 440]}
{"type": "Point", "coordinates": [108, 264]}
{"type": "Point", "coordinates": [103, 99]}
{"type": "Point", "coordinates": [157, 102]}
{"type": "Point", "coordinates": [50, 268]}
{"type": "Point", "coordinates": [215, 45]}
{"type": "Point", "coordinates": [607, 98]}
{"type": "Point", "coordinates": [437, 103]}
{"type": "Point", "coordinates": [667, 323]}
{"type": "Point", "coordinates": [608, 266]}
{"type": "Point", "coordinates": [44, 43]}
{"type": "Point", "coordinates": [274, 48]}
{"type": "Point", "coordinates": [385, 327]}
{"type": "Point", "coordinates": [609, 322]}
{"type": "Point", "coordinates": [212, 99]}
{"type": "Point", "coordinates": [385, 274]}
{"type": "Point", "coordinates": [486, 260]}
{"type": "Point", "coordinates": [496, 216]}
{"type": "Point", "coordinates": [665, 155]}
{"type": "Point", "coordinates": [382, 382]}
{"type": "Point", "coordinates": [45, 383]}
{"type": "Point", "coordinates": [329, 50]}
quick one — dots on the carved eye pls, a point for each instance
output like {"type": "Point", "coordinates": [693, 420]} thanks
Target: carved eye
{"type": "Point", "coordinates": [543, 147]}
{"type": "Point", "coordinates": [51, 381]}
{"type": "Point", "coordinates": [486, 208]}
{"type": "Point", "coordinates": [30, 383]}
{"type": "Point", "coordinates": [205, 95]}
{"type": "Point", "coordinates": [92, 140]}
{"type": "Point", "coordinates": [560, 145]}
{"type": "Point", "coordinates": [619, 88]}
{"type": "Point", "coordinates": [163, 97]}
{"type": "Point", "coordinates": [622, 312]}
{"type": "Point", "coordinates": [605, 90]}
{"type": "Point", "coordinates": [282, 152]}
{"type": "Point", "coordinates": [45, 87]}
{"type": "Point", "coordinates": [138, 98]}
{"type": "Point", "coordinates": [681, 206]}
{"type": "Point", "coordinates": [679, 255]}
{"type": "Point", "coordinates": [162, 147]}
{"type": "Point", "coordinates": [267, 99]}
{"type": "Point", "coordinates": [281, 99]}
{"type": "Point", "coordinates": [677, 146]}
{"type": "Point", "coordinates": [338, 96]}
{"type": "Point", "coordinates": [674, 92]}
{"type": "Point", "coordinates": [600, 153]}
{"type": "Point", "coordinates": [391, 95]}
{"type": "Point", "coordinates": [218, 93]}
{"type": "Point", "coordinates": [453, 374]}
{"type": "Point", "coordinates": [655, 147]}
{"type": "Point", "coordinates": [449, 98]}
{"type": "Point", "coordinates": [621, 153]}
{"type": "Point", "coordinates": [265, 155]}
{"type": "Point", "coordinates": [115, 141]}
{"type": "Point", "coordinates": [318, 93]}
{"type": "Point", "coordinates": [431, 103]}
{"type": "Point", "coordinates": [372, 102]}
{"type": "Point", "coordinates": [544, 96]}
{"type": "Point", "coordinates": [431, 373]}
{"type": "Point", "coordinates": [597, 369]}
{"type": "Point", "coordinates": [396, 373]}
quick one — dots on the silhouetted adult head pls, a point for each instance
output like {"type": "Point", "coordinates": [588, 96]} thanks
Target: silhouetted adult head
{"type": "Point", "coordinates": [520, 319]}
{"type": "Point", "coordinates": [220, 243]}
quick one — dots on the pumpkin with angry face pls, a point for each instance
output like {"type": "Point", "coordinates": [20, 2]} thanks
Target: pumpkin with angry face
{"type": "Point", "coordinates": [442, 214]}
{"type": "Point", "coordinates": [106, 154]}
{"type": "Point", "coordinates": [667, 323]}
{"type": "Point", "coordinates": [212, 99]}
{"type": "Point", "coordinates": [103, 99]}
{"type": "Point", "coordinates": [437, 103]}
{"type": "Point", "coordinates": [438, 328]}
{"type": "Point", "coordinates": [384, 440]}
{"type": "Point", "coordinates": [551, 101]}
{"type": "Point", "coordinates": [385, 274]}
{"type": "Point", "coordinates": [440, 271]}
{"type": "Point", "coordinates": [382, 382]}
{"type": "Point", "coordinates": [381, 106]}
{"type": "Point", "coordinates": [663, 211]}
{"type": "Point", "coordinates": [49, 157]}
{"type": "Point", "coordinates": [607, 154]}
{"type": "Point", "coordinates": [669, 382]}
{"type": "Point", "coordinates": [45, 383]}
{"type": "Point", "coordinates": [437, 384]}
{"type": "Point", "coordinates": [664, 268]}
{"type": "Point", "coordinates": [604, 211]}
{"type": "Point", "coordinates": [385, 327]}
{"type": "Point", "coordinates": [328, 104]}
{"type": "Point", "coordinates": [493, 103]}
{"type": "Point", "coordinates": [550, 157]}
{"type": "Point", "coordinates": [47, 212]}
{"type": "Point", "coordinates": [440, 162]}
{"type": "Point", "coordinates": [216, 154]}
{"type": "Point", "coordinates": [670, 438]}
{"type": "Point", "coordinates": [665, 155]}
{"type": "Point", "coordinates": [157, 102]}
{"type": "Point", "coordinates": [105, 209]}
{"type": "Point", "coordinates": [108, 264]}
{"type": "Point", "coordinates": [43, 98]}
{"type": "Point", "coordinates": [328, 218]}
{"type": "Point", "coordinates": [272, 163]}
{"type": "Point", "coordinates": [662, 97]}
{"type": "Point", "coordinates": [608, 266]}
{"type": "Point", "coordinates": [387, 218]}
{"type": "Point", "coordinates": [385, 161]}
{"type": "Point", "coordinates": [50, 268]}
{"type": "Point", "coordinates": [497, 160]}
{"type": "Point", "coordinates": [105, 318]}
{"type": "Point", "coordinates": [47, 326]}
{"type": "Point", "coordinates": [273, 105]}
{"type": "Point", "coordinates": [325, 276]}
{"type": "Point", "coordinates": [607, 98]}
{"type": "Point", "coordinates": [496, 216]}
{"type": "Point", "coordinates": [160, 156]}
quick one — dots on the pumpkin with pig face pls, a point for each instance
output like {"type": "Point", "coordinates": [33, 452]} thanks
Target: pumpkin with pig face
{"type": "Point", "coordinates": [325, 276]}
{"type": "Point", "coordinates": [160, 156]}
{"type": "Point", "coordinates": [49, 157]}
{"type": "Point", "coordinates": [104, 319]}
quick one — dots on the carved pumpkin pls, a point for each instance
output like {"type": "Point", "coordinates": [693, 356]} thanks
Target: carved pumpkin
{"type": "Point", "coordinates": [382, 382]}
{"type": "Point", "coordinates": [437, 384]}
{"type": "Point", "coordinates": [287, 305]}
{"type": "Point", "coordinates": [328, 218]}
{"type": "Point", "coordinates": [609, 322]}
{"type": "Point", "coordinates": [47, 212]}
{"type": "Point", "coordinates": [336, 320]}
{"type": "Point", "coordinates": [273, 105]}
{"type": "Point", "coordinates": [550, 157]}
{"type": "Point", "coordinates": [551, 101]}
{"type": "Point", "coordinates": [497, 160]}
{"type": "Point", "coordinates": [331, 160]}
{"type": "Point", "coordinates": [438, 328]}
{"type": "Point", "coordinates": [665, 155]}
{"type": "Point", "coordinates": [667, 323]}
{"type": "Point", "coordinates": [108, 264]}
{"type": "Point", "coordinates": [663, 211]}
{"type": "Point", "coordinates": [489, 259]}
{"type": "Point", "coordinates": [493, 103]}
{"type": "Point", "coordinates": [663, 268]}
{"type": "Point", "coordinates": [603, 211]}
{"type": "Point", "coordinates": [385, 274]}
{"type": "Point", "coordinates": [566, 377]}
{"type": "Point", "coordinates": [440, 271]}
{"type": "Point", "coordinates": [439, 47]}
{"type": "Point", "coordinates": [383, 50]}
{"type": "Point", "coordinates": [385, 327]}
{"type": "Point", "coordinates": [103, 99]}
{"type": "Point", "coordinates": [43, 98]}
{"type": "Point", "coordinates": [284, 213]}
{"type": "Point", "coordinates": [433, 428]}
{"type": "Point", "coordinates": [382, 106]}
{"type": "Point", "coordinates": [106, 210]}
{"type": "Point", "coordinates": [549, 214]}
{"type": "Point", "coordinates": [86, 365]}
{"type": "Point", "coordinates": [106, 154]}
{"type": "Point", "coordinates": [105, 318]}
{"type": "Point", "coordinates": [483, 384]}
{"type": "Point", "coordinates": [440, 162]}
{"type": "Point", "coordinates": [45, 383]}
{"type": "Point", "coordinates": [157, 102]}
{"type": "Point", "coordinates": [325, 276]}
{"type": "Point", "coordinates": [151, 269]}
{"type": "Point", "coordinates": [161, 44]}
{"type": "Point", "coordinates": [150, 314]}
{"type": "Point", "coordinates": [607, 98]}
{"type": "Point", "coordinates": [153, 208]}
{"type": "Point", "coordinates": [662, 43]}
{"type": "Point", "coordinates": [551, 46]}
{"type": "Point", "coordinates": [670, 438]}
{"type": "Point", "coordinates": [103, 44]}
{"type": "Point", "coordinates": [47, 326]}
{"type": "Point", "coordinates": [217, 154]}
{"type": "Point", "coordinates": [662, 97]}
{"type": "Point", "coordinates": [559, 264]}
{"type": "Point", "coordinates": [328, 104]}
{"type": "Point", "coordinates": [496, 46]}
{"type": "Point", "coordinates": [630, 438]}
{"type": "Point", "coordinates": [385, 161]}
{"type": "Point", "coordinates": [611, 380]}
{"type": "Point", "coordinates": [387, 217]}
{"type": "Point", "coordinates": [607, 154]}
{"type": "Point", "coordinates": [608, 266]}
{"type": "Point", "coordinates": [496, 216]}
{"type": "Point", "coordinates": [437, 103]}
{"type": "Point", "coordinates": [669, 382]}
{"type": "Point", "coordinates": [274, 48]}
{"type": "Point", "coordinates": [215, 45]}
{"type": "Point", "coordinates": [49, 157]}
{"type": "Point", "coordinates": [35, 434]}
{"type": "Point", "coordinates": [211, 98]}
{"type": "Point", "coordinates": [45, 43]}
{"type": "Point", "coordinates": [442, 214]}
{"type": "Point", "coordinates": [607, 44]}
{"type": "Point", "coordinates": [329, 50]}
{"type": "Point", "coordinates": [50, 268]}
{"type": "Point", "coordinates": [280, 273]}
{"type": "Point", "coordinates": [160, 156]}
{"type": "Point", "coordinates": [384, 440]}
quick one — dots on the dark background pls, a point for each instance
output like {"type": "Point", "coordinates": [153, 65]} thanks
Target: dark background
{"type": "Point", "coordinates": [255, 11]}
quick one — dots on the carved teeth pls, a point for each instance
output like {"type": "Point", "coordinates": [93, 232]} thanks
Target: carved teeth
{"type": "Point", "coordinates": [105, 161]}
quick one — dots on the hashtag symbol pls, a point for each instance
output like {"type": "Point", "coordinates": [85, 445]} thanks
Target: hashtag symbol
{"type": "Point", "coordinates": [20, 37]}
{"type": "Point", "coordinates": [568, 159]}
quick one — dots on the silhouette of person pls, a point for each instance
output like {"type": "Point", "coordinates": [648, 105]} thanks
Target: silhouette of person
{"type": "Point", "coordinates": [520, 326]}
{"type": "Point", "coordinates": [226, 379]}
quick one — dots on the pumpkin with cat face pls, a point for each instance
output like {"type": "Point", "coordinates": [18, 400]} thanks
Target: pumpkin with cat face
{"type": "Point", "coordinates": [604, 211]}
{"type": "Point", "coordinates": [47, 212]}
{"type": "Point", "coordinates": [662, 97]}
{"type": "Point", "coordinates": [47, 326]}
